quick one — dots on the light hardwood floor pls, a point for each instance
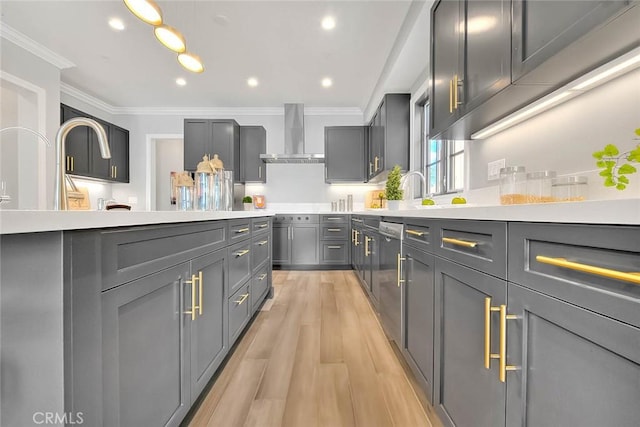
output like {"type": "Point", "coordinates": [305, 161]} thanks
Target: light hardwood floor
{"type": "Point", "coordinates": [318, 357]}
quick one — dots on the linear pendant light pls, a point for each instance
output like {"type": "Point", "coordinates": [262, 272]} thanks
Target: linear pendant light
{"type": "Point", "coordinates": [191, 62]}
{"type": "Point", "coordinates": [170, 38]}
{"type": "Point", "coordinates": [146, 10]}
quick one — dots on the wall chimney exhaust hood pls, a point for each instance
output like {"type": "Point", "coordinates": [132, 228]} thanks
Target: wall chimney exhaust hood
{"type": "Point", "coordinates": [293, 139]}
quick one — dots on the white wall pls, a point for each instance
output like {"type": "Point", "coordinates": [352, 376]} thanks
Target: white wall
{"type": "Point", "coordinates": [563, 138]}
{"type": "Point", "coordinates": [169, 158]}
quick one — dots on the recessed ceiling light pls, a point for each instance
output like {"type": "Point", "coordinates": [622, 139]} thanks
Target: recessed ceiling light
{"type": "Point", "coordinates": [146, 10]}
{"type": "Point", "coordinates": [170, 38]}
{"type": "Point", "coordinates": [252, 81]}
{"type": "Point", "coordinates": [116, 24]}
{"type": "Point", "coordinates": [327, 82]}
{"type": "Point", "coordinates": [180, 81]}
{"type": "Point", "coordinates": [191, 62]}
{"type": "Point", "coordinates": [328, 23]}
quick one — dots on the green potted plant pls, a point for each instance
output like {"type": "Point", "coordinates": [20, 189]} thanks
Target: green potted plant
{"type": "Point", "coordinates": [392, 191]}
{"type": "Point", "coordinates": [247, 201]}
{"type": "Point", "coordinates": [616, 166]}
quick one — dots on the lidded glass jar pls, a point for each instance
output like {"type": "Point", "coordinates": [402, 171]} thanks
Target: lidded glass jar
{"type": "Point", "coordinates": [513, 185]}
{"type": "Point", "coordinates": [569, 188]}
{"type": "Point", "coordinates": [539, 186]}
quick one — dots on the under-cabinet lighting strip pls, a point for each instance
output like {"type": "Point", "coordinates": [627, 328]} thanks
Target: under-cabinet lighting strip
{"type": "Point", "coordinates": [600, 75]}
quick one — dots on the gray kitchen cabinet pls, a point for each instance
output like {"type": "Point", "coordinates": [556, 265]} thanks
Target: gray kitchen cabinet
{"type": "Point", "coordinates": [100, 167]}
{"type": "Point", "coordinates": [253, 142]}
{"type": "Point", "coordinates": [357, 247]}
{"type": "Point", "coordinates": [240, 255]}
{"type": "Point", "coordinates": [119, 143]}
{"type": "Point", "coordinates": [281, 244]}
{"type": "Point", "coordinates": [419, 315]}
{"type": "Point", "coordinates": [209, 137]}
{"type": "Point", "coordinates": [371, 269]}
{"type": "Point", "coordinates": [465, 393]}
{"type": "Point", "coordinates": [145, 346]}
{"type": "Point", "coordinates": [77, 143]}
{"type": "Point", "coordinates": [304, 244]}
{"type": "Point", "coordinates": [296, 241]}
{"type": "Point", "coordinates": [239, 311]}
{"type": "Point", "coordinates": [335, 248]}
{"type": "Point", "coordinates": [574, 367]}
{"type": "Point", "coordinates": [389, 144]}
{"type": "Point", "coordinates": [344, 151]}
{"type": "Point", "coordinates": [209, 340]}
{"type": "Point", "coordinates": [259, 286]}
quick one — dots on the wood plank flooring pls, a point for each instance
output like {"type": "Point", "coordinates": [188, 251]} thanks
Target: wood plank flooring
{"type": "Point", "coordinates": [316, 356]}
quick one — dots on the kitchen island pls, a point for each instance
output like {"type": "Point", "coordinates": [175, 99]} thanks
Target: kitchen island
{"type": "Point", "coordinates": [111, 318]}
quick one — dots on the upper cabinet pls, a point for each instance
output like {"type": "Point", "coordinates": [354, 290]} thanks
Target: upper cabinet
{"type": "Point", "coordinates": [388, 141]}
{"type": "Point", "coordinates": [208, 137]}
{"type": "Point", "coordinates": [490, 58]}
{"type": "Point", "coordinates": [83, 156]}
{"type": "Point", "coordinates": [253, 142]}
{"type": "Point", "coordinates": [344, 151]}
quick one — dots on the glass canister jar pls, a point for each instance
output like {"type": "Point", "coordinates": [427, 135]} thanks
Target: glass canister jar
{"type": "Point", "coordinates": [203, 191]}
{"type": "Point", "coordinates": [539, 186]}
{"type": "Point", "coordinates": [569, 188]}
{"type": "Point", "coordinates": [513, 185]}
{"type": "Point", "coordinates": [185, 198]}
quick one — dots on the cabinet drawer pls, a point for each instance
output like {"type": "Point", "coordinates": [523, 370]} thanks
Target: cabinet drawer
{"type": "Point", "coordinates": [239, 229]}
{"type": "Point", "coordinates": [239, 311]}
{"type": "Point", "coordinates": [334, 252]}
{"type": "Point", "coordinates": [259, 286]}
{"type": "Point", "coordinates": [260, 225]}
{"type": "Point", "coordinates": [419, 234]}
{"type": "Point", "coordinates": [478, 244]}
{"type": "Point", "coordinates": [334, 219]}
{"type": "Point", "coordinates": [594, 267]}
{"type": "Point", "coordinates": [134, 252]}
{"type": "Point", "coordinates": [239, 264]}
{"type": "Point", "coordinates": [334, 231]}
{"type": "Point", "coordinates": [260, 249]}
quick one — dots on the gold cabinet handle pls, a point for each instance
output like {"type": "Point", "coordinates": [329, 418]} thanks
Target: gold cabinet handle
{"type": "Point", "coordinates": [262, 225]}
{"type": "Point", "coordinates": [259, 171]}
{"type": "Point", "coordinates": [334, 247]}
{"type": "Point", "coordinates": [450, 96]}
{"type": "Point", "coordinates": [459, 242]}
{"type": "Point", "coordinates": [115, 171]}
{"type": "Point", "coordinates": [334, 230]}
{"type": "Point", "coordinates": [262, 243]}
{"type": "Point", "coordinates": [503, 343]}
{"type": "Point", "coordinates": [370, 168]}
{"type": "Point", "coordinates": [241, 253]}
{"type": "Point", "coordinates": [356, 220]}
{"type": "Point", "coordinates": [242, 299]}
{"type": "Point", "coordinates": [376, 163]}
{"type": "Point", "coordinates": [72, 163]}
{"type": "Point", "coordinates": [400, 259]}
{"type": "Point", "coordinates": [194, 307]}
{"type": "Point", "coordinates": [456, 83]}
{"type": "Point", "coordinates": [631, 277]}
{"type": "Point", "coordinates": [357, 242]}
{"type": "Point", "coordinates": [333, 218]}
{"type": "Point", "coordinates": [68, 164]}
{"type": "Point", "coordinates": [367, 239]}
{"type": "Point", "coordinates": [353, 235]}
{"type": "Point", "coordinates": [487, 333]}
{"type": "Point", "coordinates": [200, 292]}
{"type": "Point", "coordinates": [415, 232]}
{"type": "Point", "coordinates": [262, 277]}
{"type": "Point", "coordinates": [242, 230]}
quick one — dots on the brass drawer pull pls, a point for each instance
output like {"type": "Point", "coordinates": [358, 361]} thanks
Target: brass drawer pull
{"type": "Point", "coordinates": [630, 277]}
{"type": "Point", "coordinates": [241, 253]}
{"type": "Point", "coordinates": [334, 247]}
{"type": "Point", "coordinates": [200, 292]}
{"type": "Point", "coordinates": [367, 239]}
{"type": "Point", "coordinates": [450, 96]}
{"type": "Point", "coordinates": [487, 333]}
{"type": "Point", "coordinates": [194, 307]}
{"type": "Point", "coordinates": [357, 241]}
{"type": "Point", "coordinates": [400, 259]}
{"type": "Point", "coordinates": [459, 242]}
{"type": "Point", "coordinates": [376, 163]}
{"type": "Point", "coordinates": [333, 218]}
{"type": "Point", "coordinates": [334, 230]}
{"type": "Point", "coordinates": [262, 277]}
{"type": "Point", "coordinates": [262, 225]}
{"type": "Point", "coordinates": [242, 299]}
{"type": "Point", "coordinates": [242, 230]}
{"type": "Point", "coordinates": [503, 343]}
{"type": "Point", "coordinates": [356, 220]}
{"type": "Point", "coordinates": [415, 232]}
{"type": "Point", "coordinates": [262, 243]}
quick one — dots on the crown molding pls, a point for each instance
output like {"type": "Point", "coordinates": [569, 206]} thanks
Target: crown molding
{"type": "Point", "coordinates": [30, 45]}
{"type": "Point", "coordinates": [88, 99]}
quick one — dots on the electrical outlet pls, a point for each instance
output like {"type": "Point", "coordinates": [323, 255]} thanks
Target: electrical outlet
{"type": "Point", "coordinates": [493, 169]}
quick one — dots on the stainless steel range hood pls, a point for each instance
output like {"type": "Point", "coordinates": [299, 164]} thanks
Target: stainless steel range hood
{"type": "Point", "coordinates": [293, 139]}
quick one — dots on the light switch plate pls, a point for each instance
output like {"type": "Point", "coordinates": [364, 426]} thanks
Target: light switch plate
{"type": "Point", "coordinates": [493, 169]}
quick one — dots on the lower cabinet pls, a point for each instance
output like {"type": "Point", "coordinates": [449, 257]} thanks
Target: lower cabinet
{"type": "Point", "coordinates": [259, 287]}
{"type": "Point", "coordinates": [466, 393]}
{"type": "Point", "coordinates": [573, 367]}
{"type": "Point", "coordinates": [281, 244]}
{"type": "Point", "coordinates": [304, 244]}
{"type": "Point", "coordinates": [419, 317]}
{"type": "Point", "coordinates": [239, 311]}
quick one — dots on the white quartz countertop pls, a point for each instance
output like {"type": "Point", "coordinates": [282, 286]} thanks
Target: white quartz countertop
{"type": "Point", "coordinates": [16, 221]}
{"type": "Point", "coordinates": [622, 211]}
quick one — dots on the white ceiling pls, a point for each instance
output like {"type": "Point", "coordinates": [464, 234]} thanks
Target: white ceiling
{"type": "Point", "coordinates": [376, 46]}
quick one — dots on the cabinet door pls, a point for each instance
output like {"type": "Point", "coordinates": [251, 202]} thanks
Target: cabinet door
{"type": "Point", "coordinates": [574, 367]}
{"type": "Point", "coordinates": [374, 266]}
{"type": "Point", "coordinates": [445, 57]}
{"type": "Point", "coordinates": [225, 142]}
{"type": "Point", "coordinates": [197, 142]}
{"type": "Point", "coordinates": [76, 144]}
{"type": "Point", "coordinates": [209, 340]}
{"type": "Point", "coordinates": [305, 244]}
{"type": "Point", "coordinates": [487, 52]}
{"type": "Point", "coordinates": [119, 142]}
{"type": "Point", "coordinates": [281, 244]}
{"type": "Point", "coordinates": [344, 154]}
{"type": "Point", "coordinates": [253, 142]}
{"type": "Point", "coordinates": [466, 394]}
{"type": "Point", "coordinates": [543, 28]}
{"type": "Point", "coordinates": [145, 350]}
{"type": "Point", "coordinates": [418, 303]}
{"type": "Point", "coordinates": [99, 167]}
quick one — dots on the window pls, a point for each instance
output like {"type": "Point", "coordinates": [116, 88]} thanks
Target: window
{"type": "Point", "coordinates": [442, 161]}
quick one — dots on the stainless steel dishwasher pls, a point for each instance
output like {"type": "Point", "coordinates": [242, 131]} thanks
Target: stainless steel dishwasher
{"type": "Point", "coordinates": [390, 302]}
